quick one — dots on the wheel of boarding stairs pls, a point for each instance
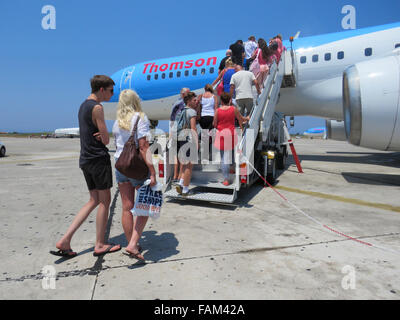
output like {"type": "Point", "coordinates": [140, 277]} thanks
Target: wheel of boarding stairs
{"type": "Point", "coordinates": [272, 174]}
{"type": "Point", "coordinates": [281, 159]}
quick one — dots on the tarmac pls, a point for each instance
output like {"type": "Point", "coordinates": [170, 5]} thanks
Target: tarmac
{"type": "Point", "coordinates": [335, 237]}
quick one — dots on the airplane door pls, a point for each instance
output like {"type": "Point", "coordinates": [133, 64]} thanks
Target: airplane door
{"type": "Point", "coordinates": [126, 79]}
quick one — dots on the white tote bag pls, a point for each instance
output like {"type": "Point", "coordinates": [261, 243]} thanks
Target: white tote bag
{"type": "Point", "coordinates": [148, 201]}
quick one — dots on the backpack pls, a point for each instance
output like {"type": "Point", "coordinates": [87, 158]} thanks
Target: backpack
{"type": "Point", "coordinates": [181, 121]}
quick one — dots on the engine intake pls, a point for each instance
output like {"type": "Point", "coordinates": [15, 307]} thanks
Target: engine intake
{"type": "Point", "coordinates": [371, 94]}
{"type": "Point", "coordinates": [335, 130]}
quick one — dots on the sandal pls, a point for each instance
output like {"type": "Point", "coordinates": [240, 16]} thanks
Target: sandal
{"type": "Point", "coordinates": [108, 250]}
{"type": "Point", "coordinates": [135, 255]}
{"type": "Point", "coordinates": [64, 253]}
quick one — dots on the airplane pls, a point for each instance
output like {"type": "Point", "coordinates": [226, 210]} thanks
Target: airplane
{"type": "Point", "coordinates": [315, 132]}
{"type": "Point", "coordinates": [350, 78]}
{"type": "Point", "coordinates": [66, 132]}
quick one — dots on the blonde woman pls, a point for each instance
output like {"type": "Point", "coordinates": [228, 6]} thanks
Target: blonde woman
{"type": "Point", "coordinates": [128, 111]}
{"type": "Point", "coordinates": [225, 77]}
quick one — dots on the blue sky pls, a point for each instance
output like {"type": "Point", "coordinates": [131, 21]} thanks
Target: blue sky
{"type": "Point", "coordinates": [44, 74]}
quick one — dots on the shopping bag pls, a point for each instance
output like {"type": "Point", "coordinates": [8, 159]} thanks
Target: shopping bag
{"type": "Point", "coordinates": [148, 200]}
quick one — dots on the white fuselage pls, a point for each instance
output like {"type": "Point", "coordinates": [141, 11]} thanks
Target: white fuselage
{"type": "Point", "coordinates": [319, 87]}
{"type": "Point", "coordinates": [318, 91]}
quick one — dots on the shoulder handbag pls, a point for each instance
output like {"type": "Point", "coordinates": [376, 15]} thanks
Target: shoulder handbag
{"type": "Point", "coordinates": [199, 108]}
{"type": "Point", "coordinates": [131, 163]}
{"type": "Point", "coordinates": [255, 65]}
{"type": "Point", "coordinates": [220, 87]}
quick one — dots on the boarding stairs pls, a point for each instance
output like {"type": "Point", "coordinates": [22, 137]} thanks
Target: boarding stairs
{"type": "Point", "coordinates": [206, 182]}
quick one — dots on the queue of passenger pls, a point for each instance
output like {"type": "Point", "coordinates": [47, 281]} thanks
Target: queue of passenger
{"type": "Point", "coordinates": [187, 111]}
{"type": "Point", "coordinates": [244, 66]}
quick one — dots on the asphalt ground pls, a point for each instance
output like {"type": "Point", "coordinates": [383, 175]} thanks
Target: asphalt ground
{"type": "Point", "coordinates": [337, 236]}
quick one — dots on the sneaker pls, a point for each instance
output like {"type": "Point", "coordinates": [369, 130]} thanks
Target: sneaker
{"type": "Point", "coordinates": [188, 194]}
{"type": "Point", "coordinates": [226, 183]}
{"type": "Point", "coordinates": [179, 188]}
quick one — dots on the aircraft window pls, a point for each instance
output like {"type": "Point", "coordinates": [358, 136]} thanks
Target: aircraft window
{"type": "Point", "coordinates": [303, 59]}
{"type": "Point", "coordinates": [368, 52]}
{"type": "Point", "coordinates": [203, 71]}
{"type": "Point", "coordinates": [163, 75]}
{"type": "Point", "coordinates": [328, 56]}
{"type": "Point", "coordinates": [178, 74]}
{"type": "Point", "coordinates": [340, 55]}
{"type": "Point", "coordinates": [186, 73]}
{"type": "Point", "coordinates": [397, 46]}
{"type": "Point", "coordinates": [212, 70]}
{"type": "Point", "coordinates": [156, 76]}
{"type": "Point", "coordinates": [194, 72]}
{"type": "Point", "coordinates": [148, 77]}
{"type": "Point", "coordinates": [315, 58]}
{"type": "Point", "coordinates": [171, 74]}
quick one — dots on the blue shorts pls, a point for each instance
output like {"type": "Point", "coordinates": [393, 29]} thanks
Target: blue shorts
{"type": "Point", "coordinates": [122, 179]}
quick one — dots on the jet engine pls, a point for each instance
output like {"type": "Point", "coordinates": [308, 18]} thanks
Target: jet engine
{"type": "Point", "coordinates": [371, 97]}
{"type": "Point", "coordinates": [335, 130]}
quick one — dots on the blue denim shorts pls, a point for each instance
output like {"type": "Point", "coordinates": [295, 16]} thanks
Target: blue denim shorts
{"type": "Point", "coordinates": [122, 179]}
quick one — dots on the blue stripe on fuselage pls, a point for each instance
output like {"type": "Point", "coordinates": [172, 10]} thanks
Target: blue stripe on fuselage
{"type": "Point", "coordinates": [160, 88]}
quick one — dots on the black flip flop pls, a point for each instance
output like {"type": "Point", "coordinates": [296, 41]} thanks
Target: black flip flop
{"type": "Point", "coordinates": [134, 256]}
{"type": "Point", "coordinates": [112, 245]}
{"type": "Point", "coordinates": [64, 253]}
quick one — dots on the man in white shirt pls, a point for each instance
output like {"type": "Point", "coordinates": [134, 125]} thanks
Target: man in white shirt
{"type": "Point", "coordinates": [249, 47]}
{"type": "Point", "coordinates": [241, 83]}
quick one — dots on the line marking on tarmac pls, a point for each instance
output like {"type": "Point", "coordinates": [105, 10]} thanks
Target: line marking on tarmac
{"type": "Point", "coordinates": [36, 160]}
{"type": "Point", "coordinates": [98, 266]}
{"type": "Point", "coordinates": [341, 199]}
{"type": "Point", "coordinates": [315, 220]}
{"type": "Point", "coordinates": [138, 264]}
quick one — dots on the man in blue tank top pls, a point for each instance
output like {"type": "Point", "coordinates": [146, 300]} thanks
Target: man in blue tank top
{"type": "Point", "coordinates": [95, 163]}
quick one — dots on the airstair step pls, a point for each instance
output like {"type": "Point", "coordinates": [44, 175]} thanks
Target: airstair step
{"type": "Point", "coordinates": [203, 194]}
{"type": "Point", "coordinates": [207, 168]}
{"type": "Point", "coordinates": [212, 183]}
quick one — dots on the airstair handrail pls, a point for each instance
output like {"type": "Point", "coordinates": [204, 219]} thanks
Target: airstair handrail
{"type": "Point", "coordinates": [261, 104]}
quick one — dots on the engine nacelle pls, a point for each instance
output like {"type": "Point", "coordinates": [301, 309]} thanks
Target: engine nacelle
{"type": "Point", "coordinates": [335, 130]}
{"type": "Point", "coordinates": [371, 94]}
